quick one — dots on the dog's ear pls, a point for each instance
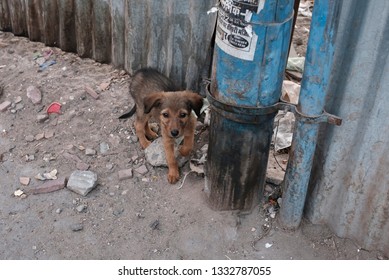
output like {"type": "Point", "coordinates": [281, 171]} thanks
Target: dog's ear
{"type": "Point", "coordinates": [195, 102]}
{"type": "Point", "coordinates": [152, 101]}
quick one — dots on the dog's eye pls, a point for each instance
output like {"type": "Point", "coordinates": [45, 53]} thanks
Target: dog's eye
{"type": "Point", "coordinates": [165, 115]}
{"type": "Point", "coordinates": [183, 115]}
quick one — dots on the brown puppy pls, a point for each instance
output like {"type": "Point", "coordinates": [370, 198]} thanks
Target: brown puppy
{"type": "Point", "coordinates": [156, 96]}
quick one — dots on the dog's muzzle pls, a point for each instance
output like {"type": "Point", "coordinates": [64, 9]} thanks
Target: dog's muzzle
{"type": "Point", "coordinates": [174, 133]}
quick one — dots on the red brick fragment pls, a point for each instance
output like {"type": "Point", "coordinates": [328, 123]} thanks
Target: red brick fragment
{"type": "Point", "coordinates": [49, 186]}
{"type": "Point", "coordinates": [91, 92]}
{"type": "Point", "coordinates": [5, 105]}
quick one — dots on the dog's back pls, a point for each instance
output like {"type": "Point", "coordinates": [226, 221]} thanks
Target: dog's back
{"type": "Point", "coordinates": [144, 82]}
{"type": "Point", "coordinates": [149, 80]}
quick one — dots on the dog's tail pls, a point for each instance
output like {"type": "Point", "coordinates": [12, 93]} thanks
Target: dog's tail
{"type": "Point", "coordinates": [128, 114]}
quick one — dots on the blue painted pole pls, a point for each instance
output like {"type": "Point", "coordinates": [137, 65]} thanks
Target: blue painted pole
{"type": "Point", "coordinates": [252, 42]}
{"type": "Point", "coordinates": [311, 102]}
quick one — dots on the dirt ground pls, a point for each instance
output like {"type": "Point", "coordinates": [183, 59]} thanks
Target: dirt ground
{"type": "Point", "coordinates": [143, 217]}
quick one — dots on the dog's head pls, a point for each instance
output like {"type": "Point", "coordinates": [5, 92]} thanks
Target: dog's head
{"type": "Point", "coordinates": [174, 109]}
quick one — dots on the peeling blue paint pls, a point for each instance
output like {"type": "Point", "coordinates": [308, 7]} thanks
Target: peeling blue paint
{"type": "Point", "coordinates": [312, 98]}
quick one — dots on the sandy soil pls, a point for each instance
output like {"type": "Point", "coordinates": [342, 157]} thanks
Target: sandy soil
{"type": "Point", "coordinates": [139, 218]}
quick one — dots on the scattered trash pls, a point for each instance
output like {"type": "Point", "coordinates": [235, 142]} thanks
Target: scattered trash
{"type": "Point", "coordinates": [54, 108]}
{"type": "Point", "coordinates": [46, 64]}
{"type": "Point", "coordinates": [197, 165]}
{"type": "Point", "coordinates": [296, 64]}
{"type": "Point", "coordinates": [199, 169]}
{"type": "Point", "coordinates": [43, 59]}
{"type": "Point", "coordinates": [47, 53]}
{"type": "Point", "coordinates": [212, 10]}
{"type": "Point", "coordinates": [268, 245]}
{"type": "Point", "coordinates": [305, 8]}
{"type": "Point", "coordinates": [283, 131]}
{"type": "Point", "coordinates": [52, 175]}
{"type": "Point", "coordinates": [18, 193]}
{"type": "Point", "coordinates": [207, 111]}
{"type": "Point", "coordinates": [290, 92]}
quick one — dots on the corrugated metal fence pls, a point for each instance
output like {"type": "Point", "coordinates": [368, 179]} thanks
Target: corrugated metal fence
{"type": "Point", "coordinates": [349, 187]}
{"type": "Point", "coordinates": [171, 35]}
{"type": "Point", "coordinates": [350, 179]}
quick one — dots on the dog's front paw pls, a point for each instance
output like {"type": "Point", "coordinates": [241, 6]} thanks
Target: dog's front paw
{"type": "Point", "coordinates": [173, 176]}
{"type": "Point", "coordinates": [144, 143]}
{"type": "Point", "coordinates": [152, 135]}
{"type": "Point", "coordinates": [185, 151]}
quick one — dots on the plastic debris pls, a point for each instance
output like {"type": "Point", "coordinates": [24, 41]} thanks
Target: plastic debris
{"type": "Point", "coordinates": [305, 8]}
{"type": "Point", "coordinates": [212, 10]}
{"type": "Point", "coordinates": [18, 193]}
{"type": "Point", "coordinates": [296, 64]}
{"type": "Point", "coordinates": [283, 131]}
{"type": "Point", "coordinates": [46, 64]}
{"type": "Point", "coordinates": [54, 108]}
{"type": "Point", "coordinates": [52, 175]}
{"type": "Point", "coordinates": [290, 91]}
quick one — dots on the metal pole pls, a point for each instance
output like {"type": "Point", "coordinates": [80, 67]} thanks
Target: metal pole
{"type": "Point", "coordinates": [252, 42]}
{"type": "Point", "coordinates": [311, 102]}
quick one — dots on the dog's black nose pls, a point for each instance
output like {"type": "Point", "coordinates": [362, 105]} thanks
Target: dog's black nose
{"type": "Point", "coordinates": [174, 132]}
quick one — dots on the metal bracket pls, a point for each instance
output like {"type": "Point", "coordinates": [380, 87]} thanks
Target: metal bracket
{"type": "Point", "coordinates": [245, 114]}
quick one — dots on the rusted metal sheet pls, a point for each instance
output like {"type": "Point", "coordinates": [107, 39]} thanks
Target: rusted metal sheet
{"type": "Point", "coordinates": [349, 186]}
{"type": "Point", "coordinates": [83, 22]}
{"type": "Point", "coordinates": [17, 15]}
{"type": "Point", "coordinates": [171, 35]}
{"type": "Point", "coordinates": [5, 20]}
{"type": "Point", "coordinates": [50, 14]}
{"type": "Point", "coordinates": [34, 20]}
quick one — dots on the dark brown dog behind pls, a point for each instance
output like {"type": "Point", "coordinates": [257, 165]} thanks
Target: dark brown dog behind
{"type": "Point", "coordinates": [156, 96]}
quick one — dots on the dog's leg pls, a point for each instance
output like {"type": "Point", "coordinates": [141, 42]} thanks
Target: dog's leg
{"type": "Point", "coordinates": [149, 133]}
{"type": "Point", "coordinates": [187, 147]}
{"type": "Point", "coordinates": [173, 174]}
{"type": "Point", "coordinates": [140, 124]}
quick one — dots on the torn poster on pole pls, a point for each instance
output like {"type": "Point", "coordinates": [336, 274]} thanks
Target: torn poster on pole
{"type": "Point", "coordinates": [234, 33]}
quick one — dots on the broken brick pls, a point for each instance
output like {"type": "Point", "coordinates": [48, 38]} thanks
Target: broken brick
{"type": "Point", "coordinates": [49, 186]}
{"type": "Point", "coordinates": [91, 92]}
{"type": "Point", "coordinates": [4, 106]}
